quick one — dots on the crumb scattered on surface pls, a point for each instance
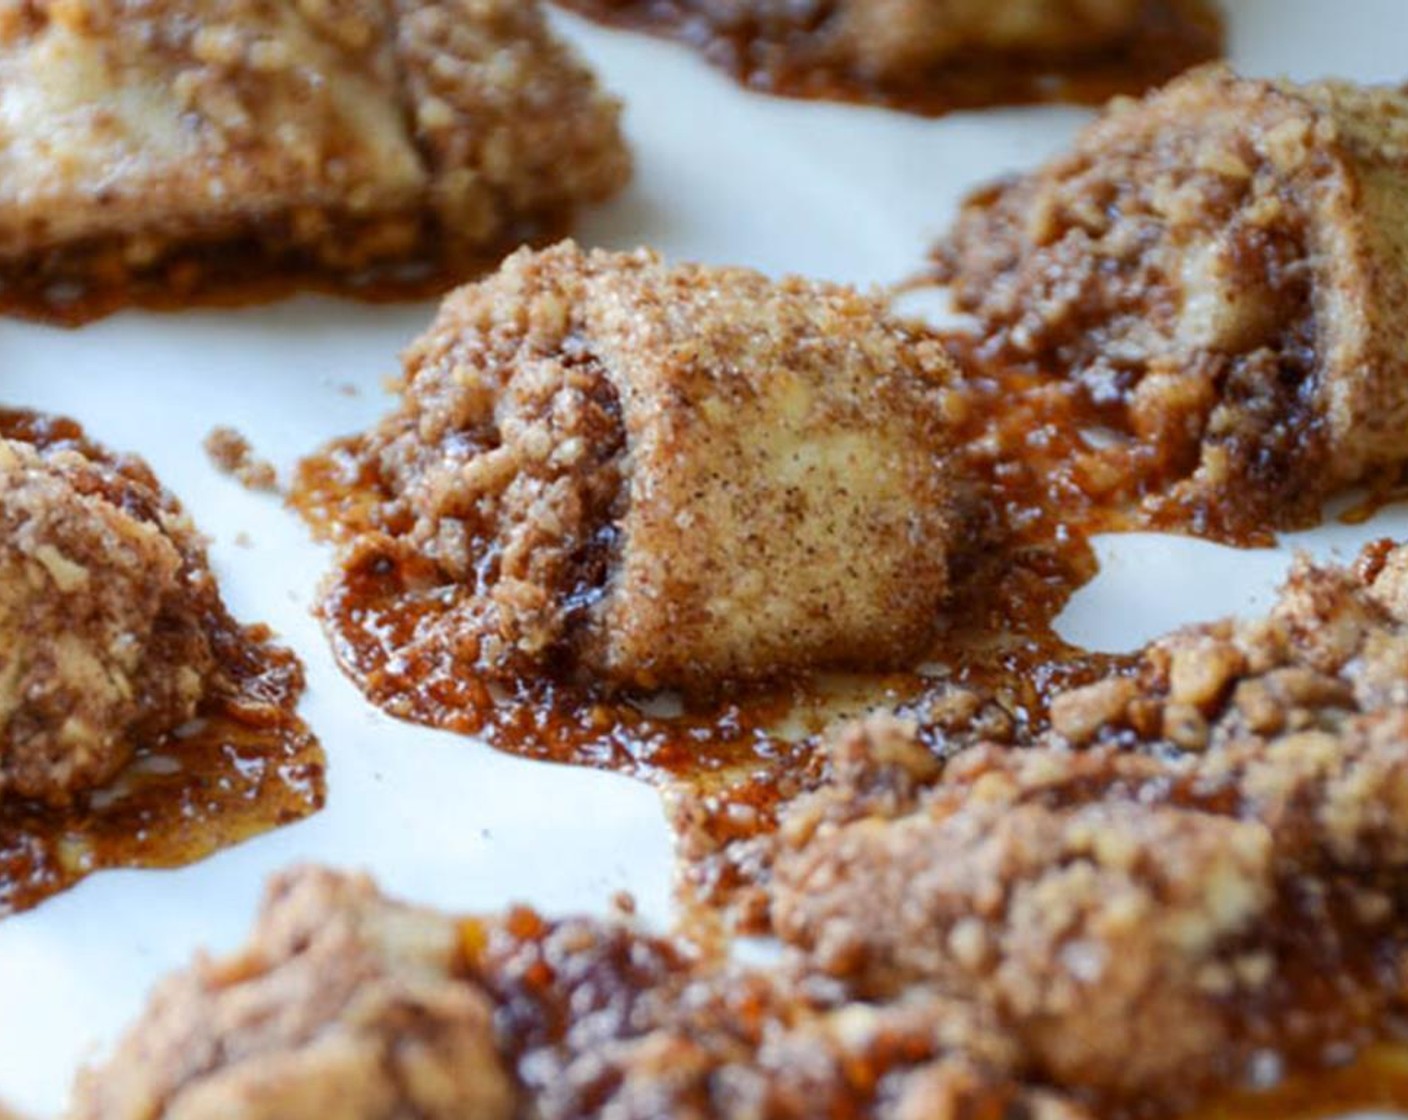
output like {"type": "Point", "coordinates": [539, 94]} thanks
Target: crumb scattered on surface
{"type": "Point", "coordinates": [232, 454]}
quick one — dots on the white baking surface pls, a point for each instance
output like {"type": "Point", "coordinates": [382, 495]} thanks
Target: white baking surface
{"type": "Point", "coordinates": [831, 191]}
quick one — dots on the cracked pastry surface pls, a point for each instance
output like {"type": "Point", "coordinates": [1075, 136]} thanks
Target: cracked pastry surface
{"type": "Point", "coordinates": [102, 634]}
{"type": "Point", "coordinates": [339, 134]}
{"type": "Point", "coordinates": [1223, 267]}
{"type": "Point", "coordinates": [651, 475]}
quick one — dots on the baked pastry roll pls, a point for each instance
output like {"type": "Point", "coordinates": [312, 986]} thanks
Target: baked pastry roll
{"type": "Point", "coordinates": [351, 1004]}
{"type": "Point", "coordinates": [1224, 267]}
{"type": "Point", "coordinates": [1191, 875]}
{"type": "Point", "coordinates": [343, 1003]}
{"type": "Point", "coordinates": [333, 134]}
{"type": "Point", "coordinates": [655, 476]}
{"type": "Point", "coordinates": [103, 640]}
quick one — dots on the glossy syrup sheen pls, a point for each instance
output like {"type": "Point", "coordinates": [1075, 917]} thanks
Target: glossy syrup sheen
{"type": "Point", "coordinates": [244, 765]}
{"type": "Point", "coordinates": [1046, 486]}
{"type": "Point", "coordinates": [1377, 1080]}
{"type": "Point", "coordinates": [79, 284]}
{"type": "Point", "coordinates": [545, 977]}
{"type": "Point", "coordinates": [1040, 490]}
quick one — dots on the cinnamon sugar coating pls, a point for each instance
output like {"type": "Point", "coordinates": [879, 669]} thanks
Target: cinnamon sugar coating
{"type": "Point", "coordinates": [1199, 868]}
{"type": "Point", "coordinates": [103, 641]}
{"type": "Point", "coordinates": [342, 1004]}
{"type": "Point", "coordinates": [653, 476]}
{"type": "Point", "coordinates": [1222, 267]}
{"type": "Point", "coordinates": [1111, 920]}
{"type": "Point", "coordinates": [342, 134]}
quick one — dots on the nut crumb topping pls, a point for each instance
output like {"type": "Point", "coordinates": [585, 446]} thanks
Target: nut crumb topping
{"type": "Point", "coordinates": [231, 453]}
{"type": "Point", "coordinates": [342, 135]}
{"type": "Point", "coordinates": [653, 476]}
{"type": "Point", "coordinates": [1219, 267]}
{"type": "Point", "coordinates": [1115, 928]}
{"type": "Point", "coordinates": [102, 641]}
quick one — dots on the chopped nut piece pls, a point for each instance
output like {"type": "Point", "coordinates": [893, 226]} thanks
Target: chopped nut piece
{"type": "Point", "coordinates": [1198, 675]}
{"type": "Point", "coordinates": [1079, 714]}
{"type": "Point", "coordinates": [231, 453]}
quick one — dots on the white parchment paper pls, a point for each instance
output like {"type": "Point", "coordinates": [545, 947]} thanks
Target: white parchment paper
{"type": "Point", "coordinates": [832, 191]}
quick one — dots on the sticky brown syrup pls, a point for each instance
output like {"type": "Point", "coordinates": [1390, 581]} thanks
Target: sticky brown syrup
{"type": "Point", "coordinates": [244, 765]}
{"type": "Point", "coordinates": [1042, 488]}
{"type": "Point", "coordinates": [1044, 485]}
{"type": "Point", "coordinates": [79, 284]}
{"type": "Point", "coordinates": [1172, 36]}
{"type": "Point", "coordinates": [565, 991]}
{"type": "Point", "coordinates": [1377, 1079]}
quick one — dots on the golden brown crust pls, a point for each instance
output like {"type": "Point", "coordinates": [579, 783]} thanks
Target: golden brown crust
{"type": "Point", "coordinates": [657, 475]}
{"type": "Point", "coordinates": [1206, 880]}
{"type": "Point", "coordinates": [895, 37]}
{"type": "Point", "coordinates": [102, 636]}
{"type": "Point", "coordinates": [336, 133]}
{"type": "Point", "coordinates": [1222, 266]}
{"type": "Point", "coordinates": [936, 56]}
{"type": "Point", "coordinates": [342, 1004]}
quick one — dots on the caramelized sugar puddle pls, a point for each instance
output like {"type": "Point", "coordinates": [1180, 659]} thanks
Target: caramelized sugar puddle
{"type": "Point", "coordinates": [1042, 488]}
{"type": "Point", "coordinates": [75, 286]}
{"type": "Point", "coordinates": [1050, 468]}
{"type": "Point", "coordinates": [244, 765]}
{"type": "Point", "coordinates": [1174, 35]}
{"type": "Point", "coordinates": [546, 977]}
